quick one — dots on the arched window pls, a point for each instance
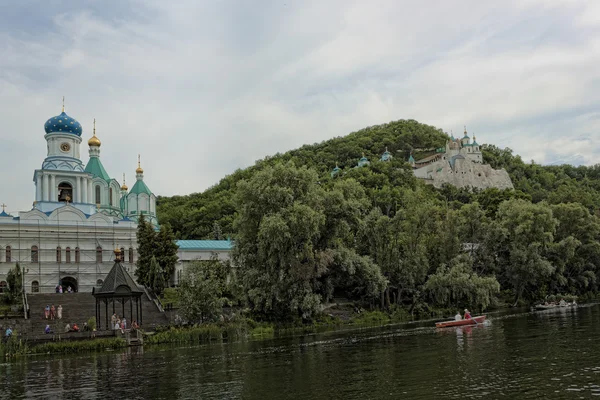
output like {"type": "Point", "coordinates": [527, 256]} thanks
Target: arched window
{"type": "Point", "coordinates": [35, 287]}
{"type": "Point", "coordinates": [98, 254]}
{"type": "Point", "coordinates": [3, 287]}
{"type": "Point", "coordinates": [58, 255]}
{"type": "Point", "coordinates": [34, 254]}
{"type": "Point", "coordinates": [77, 255]}
{"type": "Point", "coordinates": [99, 282]}
{"type": "Point", "coordinates": [98, 195]}
{"type": "Point", "coordinates": [68, 255]}
{"type": "Point", "coordinates": [110, 197]}
{"type": "Point", "coordinates": [65, 192]}
{"type": "Point", "coordinates": [131, 255]}
{"type": "Point", "coordinates": [8, 254]}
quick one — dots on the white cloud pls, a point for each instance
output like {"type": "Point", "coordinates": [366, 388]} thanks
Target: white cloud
{"type": "Point", "coordinates": [202, 88]}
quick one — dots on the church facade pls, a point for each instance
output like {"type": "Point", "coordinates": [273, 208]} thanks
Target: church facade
{"type": "Point", "coordinates": [460, 164]}
{"type": "Point", "coordinates": [79, 216]}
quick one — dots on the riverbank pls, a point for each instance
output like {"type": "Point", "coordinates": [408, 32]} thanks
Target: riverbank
{"type": "Point", "coordinates": [235, 330]}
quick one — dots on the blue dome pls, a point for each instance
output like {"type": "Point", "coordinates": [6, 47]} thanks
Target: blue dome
{"type": "Point", "coordinates": [63, 124]}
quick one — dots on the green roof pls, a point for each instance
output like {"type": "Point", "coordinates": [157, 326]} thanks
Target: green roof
{"type": "Point", "coordinates": [95, 167]}
{"type": "Point", "coordinates": [140, 187]}
{"type": "Point", "coordinates": [205, 244]}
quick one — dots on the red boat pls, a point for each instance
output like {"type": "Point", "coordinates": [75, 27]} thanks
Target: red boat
{"type": "Point", "coordinates": [471, 321]}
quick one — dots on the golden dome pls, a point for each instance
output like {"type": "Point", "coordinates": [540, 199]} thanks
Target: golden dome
{"type": "Point", "coordinates": [94, 141]}
{"type": "Point", "coordinates": [139, 169]}
{"type": "Point", "coordinates": [124, 186]}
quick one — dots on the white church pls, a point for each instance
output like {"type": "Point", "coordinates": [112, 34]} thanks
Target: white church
{"type": "Point", "coordinates": [79, 216]}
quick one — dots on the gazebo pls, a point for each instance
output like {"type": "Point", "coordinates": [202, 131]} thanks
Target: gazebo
{"type": "Point", "coordinates": [118, 287]}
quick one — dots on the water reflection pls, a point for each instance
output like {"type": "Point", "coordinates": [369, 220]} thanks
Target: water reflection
{"type": "Point", "coordinates": [524, 355]}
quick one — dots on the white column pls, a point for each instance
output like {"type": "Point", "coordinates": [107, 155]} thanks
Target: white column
{"type": "Point", "coordinates": [90, 194]}
{"type": "Point", "coordinates": [38, 187]}
{"type": "Point", "coordinates": [46, 188]}
{"type": "Point", "coordinates": [84, 189]}
{"type": "Point", "coordinates": [78, 200]}
{"type": "Point", "coordinates": [53, 188]}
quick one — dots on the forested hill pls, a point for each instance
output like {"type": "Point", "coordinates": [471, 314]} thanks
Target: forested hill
{"type": "Point", "coordinates": [210, 214]}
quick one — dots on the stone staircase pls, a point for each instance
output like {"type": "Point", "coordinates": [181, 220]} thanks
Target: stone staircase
{"type": "Point", "coordinates": [78, 308]}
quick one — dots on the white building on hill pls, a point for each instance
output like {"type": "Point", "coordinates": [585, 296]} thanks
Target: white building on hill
{"type": "Point", "coordinates": [460, 164]}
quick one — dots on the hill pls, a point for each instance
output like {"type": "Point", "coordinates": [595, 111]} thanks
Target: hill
{"type": "Point", "coordinates": [210, 214]}
{"type": "Point", "coordinates": [377, 234]}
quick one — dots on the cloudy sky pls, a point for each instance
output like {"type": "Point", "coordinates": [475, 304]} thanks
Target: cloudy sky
{"type": "Point", "coordinates": [202, 87]}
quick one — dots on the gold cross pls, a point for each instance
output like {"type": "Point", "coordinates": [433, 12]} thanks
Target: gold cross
{"type": "Point", "coordinates": [3, 206]}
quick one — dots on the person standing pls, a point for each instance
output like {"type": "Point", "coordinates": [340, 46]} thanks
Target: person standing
{"type": "Point", "coordinates": [467, 314]}
{"type": "Point", "coordinates": [124, 323]}
{"type": "Point", "coordinates": [52, 312]}
{"type": "Point", "coordinates": [113, 320]}
{"type": "Point", "coordinates": [59, 312]}
{"type": "Point", "coordinates": [47, 311]}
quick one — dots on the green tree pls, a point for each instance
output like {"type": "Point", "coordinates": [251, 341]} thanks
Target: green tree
{"type": "Point", "coordinates": [147, 243]}
{"type": "Point", "coordinates": [14, 280]}
{"type": "Point", "coordinates": [217, 233]}
{"type": "Point", "coordinates": [289, 232]}
{"type": "Point", "coordinates": [459, 286]}
{"type": "Point", "coordinates": [521, 240]}
{"type": "Point", "coordinates": [201, 291]}
{"type": "Point", "coordinates": [165, 251]}
{"type": "Point", "coordinates": [156, 277]}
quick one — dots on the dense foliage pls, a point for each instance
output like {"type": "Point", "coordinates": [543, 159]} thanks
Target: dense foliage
{"type": "Point", "coordinates": [194, 216]}
{"type": "Point", "coordinates": [201, 295]}
{"type": "Point", "coordinates": [378, 235]}
{"type": "Point", "coordinates": [157, 255]}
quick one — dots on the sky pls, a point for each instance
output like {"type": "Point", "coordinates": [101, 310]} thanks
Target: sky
{"type": "Point", "coordinates": [202, 88]}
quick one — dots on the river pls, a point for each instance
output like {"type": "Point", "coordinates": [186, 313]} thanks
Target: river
{"type": "Point", "coordinates": [525, 355]}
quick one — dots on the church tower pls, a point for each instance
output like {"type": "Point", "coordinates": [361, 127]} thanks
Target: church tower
{"type": "Point", "coordinates": [140, 199]}
{"type": "Point", "coordinates": [104, 191]}
{"type": "Point", "coordinates": [62, 178]}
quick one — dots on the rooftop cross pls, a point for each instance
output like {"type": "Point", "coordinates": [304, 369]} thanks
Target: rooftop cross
{"type": "Point", "coordinates": [63, 107]}
{"type": "Point", "coordinates": [3, 207]}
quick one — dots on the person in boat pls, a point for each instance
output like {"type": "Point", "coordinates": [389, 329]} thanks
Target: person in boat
{"type": "Point", "coordinates": [457, 317]}
{"type": "Point", "coordinates": [467, 314]}
{"type": "Point", "coordinates": [574, 303]}
{"type": "Point", "coordinates": [562, 303]}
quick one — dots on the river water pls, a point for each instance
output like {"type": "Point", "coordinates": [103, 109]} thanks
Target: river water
{"type": "Point", "coordinates": [526, 355]}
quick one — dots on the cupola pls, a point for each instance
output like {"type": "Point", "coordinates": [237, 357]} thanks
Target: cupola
{"type": "Point", "coordinates": [63, 123]}
{"type": "Point", "coordinates": [94, 141]}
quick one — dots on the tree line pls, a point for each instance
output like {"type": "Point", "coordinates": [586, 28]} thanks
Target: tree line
{"type": "Point", "coordinates": [379, 236]}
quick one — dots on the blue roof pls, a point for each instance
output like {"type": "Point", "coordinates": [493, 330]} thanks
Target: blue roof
{"type": "Point", "coordinates": [63, 124]}
{"type": "Point", "coordinates": [4, 214]}
{"type": "Point", "coordinates": [205, 244]}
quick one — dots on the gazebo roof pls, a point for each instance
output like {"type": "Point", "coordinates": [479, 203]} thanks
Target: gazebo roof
{"type": "Point", "coordinates": [118, 283]}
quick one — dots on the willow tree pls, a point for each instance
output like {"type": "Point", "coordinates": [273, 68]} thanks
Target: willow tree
{"type": "Point", "coordinates": [293, 241]}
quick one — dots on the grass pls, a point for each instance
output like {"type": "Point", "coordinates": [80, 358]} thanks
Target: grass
{"type": "Point", "coordinates": [68, 347]}
{"type": "Point", "coordinates": [205, 333]}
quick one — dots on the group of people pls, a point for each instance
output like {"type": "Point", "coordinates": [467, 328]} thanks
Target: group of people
{"type": "Point", "coordinates": [59, 289]}
{"type": "Point", "coordinates": [458, 317]}
{"type": "Point", "coordinates": [117, 323]}
{"type": "Point", "coordinates": [50, 312]}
